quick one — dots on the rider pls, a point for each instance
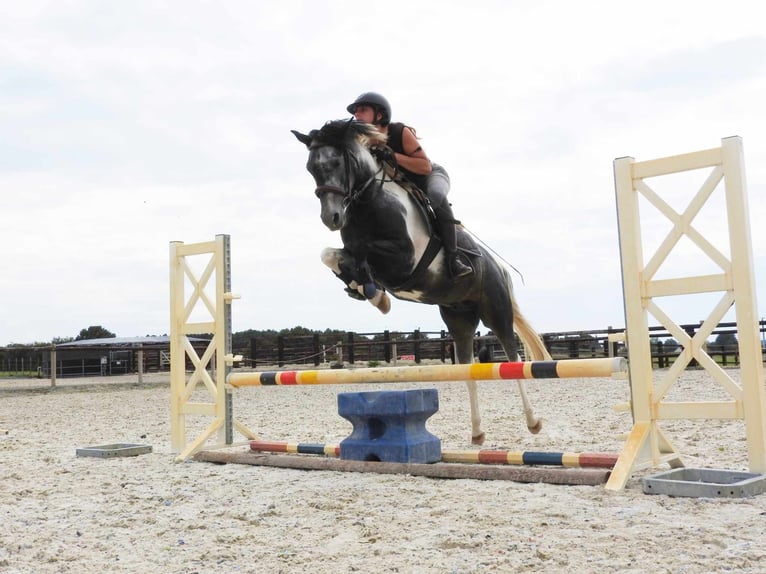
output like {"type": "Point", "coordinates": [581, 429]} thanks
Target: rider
{"type": "Point", "coordinates": [412, 160]}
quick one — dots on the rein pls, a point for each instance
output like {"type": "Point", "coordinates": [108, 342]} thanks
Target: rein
{"type": "Point", "coordinates": [350, 195]}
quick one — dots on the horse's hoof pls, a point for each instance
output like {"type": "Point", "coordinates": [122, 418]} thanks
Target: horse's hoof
{"type": "Point", "coordinates": [479, 440]}
{"type": "Point", "coordinates": [537, 427]}
{"type": "Point", "coordinates": [384, 303]}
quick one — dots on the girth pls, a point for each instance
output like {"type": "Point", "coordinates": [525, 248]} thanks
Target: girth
{"type": "Point", "coordinates": [429, 217]}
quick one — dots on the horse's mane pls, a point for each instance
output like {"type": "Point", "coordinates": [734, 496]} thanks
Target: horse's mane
{"type": "Point", "coordinates": [346, 133]}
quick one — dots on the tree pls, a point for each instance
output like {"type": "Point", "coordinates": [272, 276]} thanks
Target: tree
{"type": "Point", "coordinates": [296, 332]}
{"type": "Point", "coordinates": [726, 341]}
{"type": "Point", "coordinates": [95, 332]}
{"type": "Point", "coordinates": [670, 345]}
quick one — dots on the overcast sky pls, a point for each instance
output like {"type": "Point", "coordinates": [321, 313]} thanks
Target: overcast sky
{"type": "Point", "coordinates": [127, 125]}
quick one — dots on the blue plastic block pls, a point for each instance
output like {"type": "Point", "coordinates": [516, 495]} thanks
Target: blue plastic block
{"type": "Point", "coordinates": [390, 426]}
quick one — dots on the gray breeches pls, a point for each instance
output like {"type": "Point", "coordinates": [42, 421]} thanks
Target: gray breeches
{"type": "Point", "coordinates": [437, 186]}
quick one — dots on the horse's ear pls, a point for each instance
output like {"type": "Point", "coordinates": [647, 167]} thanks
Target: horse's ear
{"type": "Point", "coordinates": [303, 138]}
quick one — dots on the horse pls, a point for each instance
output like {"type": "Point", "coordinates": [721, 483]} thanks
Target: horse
{"type": "Point", "coordinates": [388, 243]}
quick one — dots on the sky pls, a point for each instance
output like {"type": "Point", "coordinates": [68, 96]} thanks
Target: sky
{"type": "Point", "coordinates": [127, 125]}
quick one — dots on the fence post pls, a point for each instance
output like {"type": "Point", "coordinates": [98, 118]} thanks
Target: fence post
{"type": "Point", "coordinates": [53, 367]}
{"type": "Point", "coordinates": [387, 345]}
{"type": "Point", "coordinates": [762, 328]}
{"type": "Point", "coordinates": [280, 350]}
{"type": "Point", "coordinates": [350, 337]}
{"type": "Point", "coordinates": [690, 331]}
{"type": "Point", "coordinates": [416, 345]}
{"type": "Point", "coordinates": [443, 346]}
{"type": "Point", "coordinates": [315, 343]}
{"type": "Point", "coordinates": [140, 366]}
{"type": "Point", "coordinates": [574, 350]}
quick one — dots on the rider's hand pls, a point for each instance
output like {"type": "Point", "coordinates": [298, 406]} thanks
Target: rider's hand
{"type": "Point", "coordinates": [383, 154]}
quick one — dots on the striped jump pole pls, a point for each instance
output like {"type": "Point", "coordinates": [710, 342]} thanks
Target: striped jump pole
{"type": "Point", "coordinates": [532, 474]}
{"type": "Point", "coordinates": [563, 369]}
{"type": "Point", "coordinates": [523, 458]}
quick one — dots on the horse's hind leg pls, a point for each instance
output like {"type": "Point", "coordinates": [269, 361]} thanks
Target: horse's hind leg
{"type": "Point", "coordinates": [477, 435]}
{"type": "Point", "coordinates": [462, 325]}
{"type": "Point", "coordinates": [499, 317]}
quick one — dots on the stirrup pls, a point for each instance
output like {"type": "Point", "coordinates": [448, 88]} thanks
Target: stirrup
{"type": "Point", "coordinates": [457, 268]}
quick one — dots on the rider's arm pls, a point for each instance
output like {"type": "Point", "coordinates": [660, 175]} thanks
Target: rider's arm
{"type": "Point", "coordinates": [414, 158]}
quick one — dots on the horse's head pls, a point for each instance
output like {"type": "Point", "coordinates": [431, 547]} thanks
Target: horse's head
{"type": "Point", "coordinates": [341, 164]}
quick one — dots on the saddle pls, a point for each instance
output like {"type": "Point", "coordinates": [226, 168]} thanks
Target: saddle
{"type": "Point", "coordinates": [420, 197]}
{"type": "Point", "coordinates": [429, 218]}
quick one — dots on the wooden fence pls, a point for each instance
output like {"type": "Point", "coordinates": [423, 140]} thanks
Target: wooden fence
{"type": "Point", "coordinates": [417, 346]}
{"type": "Point", "coordinates": [353, 348]}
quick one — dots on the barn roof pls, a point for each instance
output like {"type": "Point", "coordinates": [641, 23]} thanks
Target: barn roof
{"type": "Point", "coordinates": [124, 342]}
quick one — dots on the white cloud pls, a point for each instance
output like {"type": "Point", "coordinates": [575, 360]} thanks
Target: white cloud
{"type": "Point", "coordinates": [128, 126]}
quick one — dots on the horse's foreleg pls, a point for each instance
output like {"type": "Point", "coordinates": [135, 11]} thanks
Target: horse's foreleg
{"type": "Point", "coordinates": [346, 268]}
{"type": "Point", "coordinates": [377, 297]}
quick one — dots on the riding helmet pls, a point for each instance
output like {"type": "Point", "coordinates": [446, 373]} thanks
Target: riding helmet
{"type": "Point", "coordinates": [376, 101]}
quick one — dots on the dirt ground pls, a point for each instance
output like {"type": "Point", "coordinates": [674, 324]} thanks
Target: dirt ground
{"type": "Point", "coordinates": [64, 513]}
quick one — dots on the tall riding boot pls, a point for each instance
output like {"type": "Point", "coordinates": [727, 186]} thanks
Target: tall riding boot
{"type": "Point", "coordinates": [457, 268]}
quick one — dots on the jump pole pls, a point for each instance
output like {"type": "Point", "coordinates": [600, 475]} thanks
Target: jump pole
{"type": "Point", "coordinates": [565, 476]}
{"type": "Point", "coordinates": [647, 445]}
{"type": "Point", "coordinates": [484, 456]}
{"type": "Point", "coordinates": [569, 368]}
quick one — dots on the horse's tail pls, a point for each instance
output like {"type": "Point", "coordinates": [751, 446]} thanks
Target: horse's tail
{"type": "Point", "coordinates": [534, 348]}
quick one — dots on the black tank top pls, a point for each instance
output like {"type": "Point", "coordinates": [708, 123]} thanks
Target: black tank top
{"type": "Point", "coordinates": [395, 130]}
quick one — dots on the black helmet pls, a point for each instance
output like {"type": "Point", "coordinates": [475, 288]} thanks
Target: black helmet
{"type": "Point", "coordinates": [376, 101]}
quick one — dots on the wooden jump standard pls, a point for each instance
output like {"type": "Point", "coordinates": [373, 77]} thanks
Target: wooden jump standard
{"type": "Point", "coordinates": [643, 293]}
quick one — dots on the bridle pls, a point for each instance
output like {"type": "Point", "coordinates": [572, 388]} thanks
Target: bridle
{"type": "Point", "coordinates": [348, 193]}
